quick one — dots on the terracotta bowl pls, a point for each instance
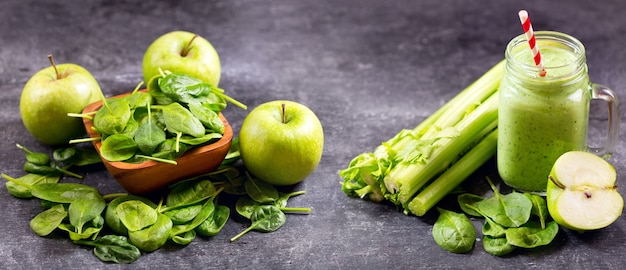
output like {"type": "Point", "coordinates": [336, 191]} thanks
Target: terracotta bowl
{"type": "Point", "coordinates": [149, 176]}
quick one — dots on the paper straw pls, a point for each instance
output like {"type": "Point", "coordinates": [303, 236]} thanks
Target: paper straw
{"type": "Point", "coordinates": [530, 36]}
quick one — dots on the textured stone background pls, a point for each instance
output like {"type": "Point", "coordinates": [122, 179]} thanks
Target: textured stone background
{"type": "Point", "coordinates": [367, 68]}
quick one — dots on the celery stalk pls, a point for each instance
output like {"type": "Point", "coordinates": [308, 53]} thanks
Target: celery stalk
{"type": "Point", "coordinates": [413, 176]}
{"type": "Point", "coordinates": [398, 168]}
{"type": "Point", "coordinates": [455, 175]}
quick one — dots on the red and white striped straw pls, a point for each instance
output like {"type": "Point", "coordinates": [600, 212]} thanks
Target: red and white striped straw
{"type": "Point", "coordinates": [530, 36]}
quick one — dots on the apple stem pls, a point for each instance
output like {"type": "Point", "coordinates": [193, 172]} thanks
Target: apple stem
{"type": "Point", "coordinates": [54, 66]}
{"type": "Point", "coordinates": [283, 107]}
{"type": "Point", "coordinates": [561, 186]}
{"type": "Point", "coordinates": [188, 47]}
{"type": "Point", "coordinates": [588, 195]}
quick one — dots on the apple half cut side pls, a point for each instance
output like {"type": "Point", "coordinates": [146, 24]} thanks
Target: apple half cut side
{"type": "Point", "coordinates": [581, 192]}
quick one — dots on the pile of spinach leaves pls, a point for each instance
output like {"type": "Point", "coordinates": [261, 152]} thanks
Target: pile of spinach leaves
{"type": "Point", "coordinates": [121, 227]}
{"type": "Point", "coordinates": [511, 221]}
{"type": "Point", "coordinates": [176, 113]}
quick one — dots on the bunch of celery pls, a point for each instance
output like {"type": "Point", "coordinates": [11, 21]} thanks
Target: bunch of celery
{"type": "Point", "coordinates": [416, 168]}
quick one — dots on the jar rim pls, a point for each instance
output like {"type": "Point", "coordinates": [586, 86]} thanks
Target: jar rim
{"type": "Point", "coordinates": [568, 41]}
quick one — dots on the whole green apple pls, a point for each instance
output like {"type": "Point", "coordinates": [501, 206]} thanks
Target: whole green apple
{"type": "Point", "coordinates": [581, 192]}
{"type": "Point", "coordinates": [182, 52]}
{"type": "Point", "coordinates": [281, 142]}
{"type": "Point", "coordinates": [52, 93]}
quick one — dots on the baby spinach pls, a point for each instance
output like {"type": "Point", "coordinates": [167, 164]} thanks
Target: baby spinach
{"type": "Point", "coordinates": [154, 236]}
{"type": "Point", "coordinates": [82, 211]}
{"type": "Point", "coordinates": [76, 156]}
{"type": "Point", "coordinates": [200, 140]}
{"type": "Point", "coordinates": [260, 191]}
{"type": "Point", "coordinates": [184, 88]}
{"type": "Point", "coordinates": [190, 192]}
{"type": "Point", "coordinates": [453, 231]}
{"type": "Point", "coordinates": [113, 248]}
{"type": "Point", "coordinates": [37, 158]}
{"type": "Point", "coordinates": [497, 246]}
{"type": "Point", "coordinates": [214, 223]}
{"type": "Point", "coordinates": [47, 221]}
{"type": "Point", "coordinates": [112, 219]}
{"type": "Point", "coordinates": [113, 116]}
{"type": "Point", "coordinates": [149, 136]}
{"type": "Point", "coordinates": [265, 218]}
{"type": "Point", "coordinates": [184, 238]}
{"type": "Point", "coordinates": [510, 210]}
{"type": "Point", "coordinates": [179, 120]}
{"type": "Point", "coordinates": [29, 179]}
{"type": "Point", "coordinates": [118, 147]}
{"type": "Point", "coordinates": [467, 202]}
{"type": "Point", "coordinates": [539, 209]}
{"type": "Point", "coordinates": [532, 235]}
{"type": "Point", "coordinates": [206, 212]}
{"type": "Point", "coordinates": [210, 119]}
{"type": "Point", "coordinates": [183, 214]}
{"type": "Point", "coordinates": [136, 215]}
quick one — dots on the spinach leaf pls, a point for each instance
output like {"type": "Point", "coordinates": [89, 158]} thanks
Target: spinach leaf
{"type": "Point", "coordinates": [47, 221]}
{"type": "Point", "coordinates": [497, 246]}
{"type": "Point", "coordinates": [210, 119]}
{"type": "Point", "coordinates": [149, 136]}
{"type": "Point", "coordinates": [136, 215]}
{"type": "Point", "coordinates": [453, 232]}
{"type": "Point", "coordinates": [113, 116]}
{"type": "Point", "coordinates": [83, 211]}
{"type": "Point", "coordinates": [64, 192]}
{"type": "Point", "coordinates": [539, 209]}
{"type": "Point", "coordinates": [532, 235]}
{"type": "Point", "coordinates": [76, 156]}
{"type": "Point", "coordinates": [510, 210]}
{"type": "Point", "coordinates": [190, 192]}
{"type": "Point", "coordinates": [184, 238]}
{"type": "Point", "coordinates": [469, 199]}
{"type": "Point", "coordinates": [245, 206]}
{"type": "Point", "coordinates": [110, 215]}
{"type": "Point", "coordinates": [214, 224]}
{"type": "Point", "coordinates": [168, 150]}
{"type": "Point", "coordinates": [118, 147]}
{"type": "Point", "coordinates": [260, 191]}
{"type": "Point", "coordinates": [154, 236]}
{"type": "Point", "coordinates": [35, 157]}
{"type": "Point", "coordinates": [179, 120]}
{"type": "Point", "coordinates": [200, 140]}
{"type": "Point", "coordinates": [184, 88]}
{"type": "Point", "coordinates": [91, 231]}
{"type": "Point", "coordinates": [138, 99]}
{"type": "Point", "coordinates": [265, 218]}
{"type": "Point", "coordinates": [183, 214]}
{"type": "Point", "coordinates": [23, 192]}
{"type": "Point", "coordinates": [207, 210]}
{"type": "Point", "coordinates": [113, 248]}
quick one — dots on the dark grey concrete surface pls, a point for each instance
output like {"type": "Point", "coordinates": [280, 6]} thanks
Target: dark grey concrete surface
{"type": "Point", "coordinates": [367, 68]}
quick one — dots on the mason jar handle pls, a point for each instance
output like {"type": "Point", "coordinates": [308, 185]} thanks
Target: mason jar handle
{"type": "Point", "coordinates": [602, 92]}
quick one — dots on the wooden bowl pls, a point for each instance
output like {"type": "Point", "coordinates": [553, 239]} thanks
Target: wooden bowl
{"type": "Point", "coordinates": [149, 176]}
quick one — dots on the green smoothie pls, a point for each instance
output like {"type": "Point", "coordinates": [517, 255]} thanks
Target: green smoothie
{"type": "Point", "coordinates": [540, 118]}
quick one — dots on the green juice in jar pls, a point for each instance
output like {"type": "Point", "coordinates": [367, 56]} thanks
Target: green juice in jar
{"type": "Point", "coordinates": [540, 118]}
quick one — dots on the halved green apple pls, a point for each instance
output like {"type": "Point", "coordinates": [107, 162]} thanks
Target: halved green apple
{"type": "Point", "coordinates": [581, 192]}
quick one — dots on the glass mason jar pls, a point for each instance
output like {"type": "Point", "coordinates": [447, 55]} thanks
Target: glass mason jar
{"type": "Point", "coordinates": [542, 117]}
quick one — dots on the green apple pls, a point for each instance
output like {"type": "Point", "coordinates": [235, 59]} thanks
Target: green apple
{"type": "Point", "coordinates": [581, 192]}
{"type": "Point", "coordinates": [281, 142]}
{"type": "Point", "coordinates": [50, 94]}
{"type": "Point", "coordinates": [182, 52]}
